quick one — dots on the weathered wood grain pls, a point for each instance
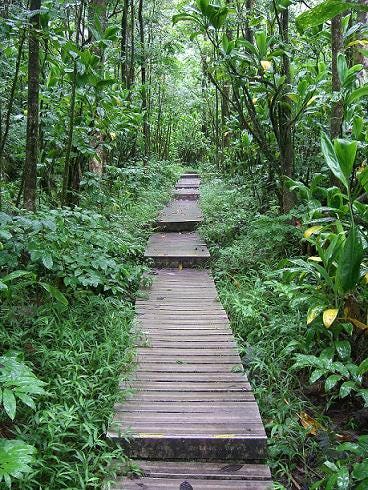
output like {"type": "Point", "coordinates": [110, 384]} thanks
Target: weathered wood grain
{"type": "Point", "coordinates": [189, 398]}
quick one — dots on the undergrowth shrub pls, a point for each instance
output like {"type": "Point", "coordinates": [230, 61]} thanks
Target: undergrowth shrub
{"type": "Point", "coordinates": [67, 285]}
{"type": "Point", "coordinates": [247, 247]}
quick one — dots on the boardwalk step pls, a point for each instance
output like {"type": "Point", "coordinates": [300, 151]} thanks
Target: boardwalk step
{"type": "Point", "coordinates": [189, 175]}
{"type": "Point", "coordinates": [187, 193]}
{"type": "Point", "coordinates": [191, 398]}
{"type": "Point", "coordinates": [175, 249]}
{"type": "Point", "coordinates": [188, 183]}
{"type": "Point", "coordinates": [186, 475]}
{"type": "Point", "coordinates": [180, 215]}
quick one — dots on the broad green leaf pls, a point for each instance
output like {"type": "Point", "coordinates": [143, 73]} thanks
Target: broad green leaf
{"type": "Point", "coordinates": [323, 12]}
{"type": "Point", "coordinates": [342, 67]}
{"type": "Point", "coordinates": [343, 348]}
{"type": "Point", "coordinates": [15, 275]}
{"type": "Point", "coordinates": [357, 94]}
{"type": "Point", "coordinates": [329, 316]}
{"type": "Point", "coordinates": [348, 268]}
{"type": "Point", "coordinates": [331, 381]}
{"type": "Point", "coordinates": [346, 388]}
{"type": "Point", "coordinates": [244, 43]}
{"type": "Point", "coordinates": [9, 403]}
{"type": "Point", "coordinates": [55, 293]}
{"type": "Point", "coordinates": [203, 5]}
{"type": "Point", "coordinates": [363, 366]}
{"type": "Point", "coordinates": [313, 313]}
{"type": "Point", "coordinates": [331, 159]}
{"type": "Point", "coordinates": [182, 17]}
{"type": "Point", "coordinates": [261, 41]}
{"type": "Point", "coordinates": [360, 471]}
{"type": "Point", "coordinates": [47, 261]}
{"type": "Point", "coordinates": [316, 374]}
{"type": "Point", "coordinates": [346, 151]}
{"type": "Point", "coordinates": [15, 458]}
{"type": "Point", "coordinates": [363, 178]}
{"type": "Point", "coordinates": [343, 479]}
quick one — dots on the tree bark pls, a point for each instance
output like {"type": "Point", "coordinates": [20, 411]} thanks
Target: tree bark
{"type": "Point", "coordinates": [123, 46]}
{"type": "Point", "coordinates": [359, 57]}
{"type": "Point", "coordinates": [30, 164]}
{"type": "Point", "coordinates": [4, 133]}
{"type": "Point", "coordinates": [143, 77]}
{"type": "Point", "coordinates": [286, 137]}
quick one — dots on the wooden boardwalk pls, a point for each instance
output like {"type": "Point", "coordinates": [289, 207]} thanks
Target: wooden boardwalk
{"type": "Point", "coordinates": [190, 400]}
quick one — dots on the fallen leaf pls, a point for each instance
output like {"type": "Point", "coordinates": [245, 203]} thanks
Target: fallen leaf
{"type": "Point", "coordinates": [309, 423]}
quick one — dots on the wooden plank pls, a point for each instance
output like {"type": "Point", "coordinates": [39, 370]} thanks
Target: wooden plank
{"type": "Point", "coordinates": [188, 397]}
{"type": "Point", "coordinates": [180, 215]}
{"type": "Point", "coordinates": [213, 471]}
{"type": "Point", "coordinates": [197, 484]}
{"type": "Point", "coordinates": [176, 249]}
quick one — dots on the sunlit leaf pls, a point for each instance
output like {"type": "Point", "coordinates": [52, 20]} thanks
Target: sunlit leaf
{"type": "Point", "coordinates": [309, 423]}
{"type": "Point", "coordinates": [329, 316]}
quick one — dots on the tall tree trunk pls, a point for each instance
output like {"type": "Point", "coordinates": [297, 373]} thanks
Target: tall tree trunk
{"type": "Point", "coordinates": [4, 132]}
{"type": "Point", "coordinates": [359, 56]}
{"type": "Point", "coordinates": [286, 137]}
{"type": "Point", "coordinates": [337, 111]}
{"type": "Point", "coordinates": [143, 76]}
{"type": "Point", "coordinates": [248, 30]}
{"type": "Point", "coordinates": [124, 43]}
{"type": "Point", "coordinates": [132, 44]}
{"type": "Point", "coordinates": [65, 197]}
{"type": "Point", "coordinates": [30, 164]}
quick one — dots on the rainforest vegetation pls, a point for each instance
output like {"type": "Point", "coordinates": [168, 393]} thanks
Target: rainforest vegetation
{"type": "Point", "coordinates": [103, 103]}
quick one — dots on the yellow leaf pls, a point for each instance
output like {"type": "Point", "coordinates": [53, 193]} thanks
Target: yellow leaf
{"type": "Point", "coordinates": [365, 279]}
{"type": "Point", "coordinates": [294, 97]}
{"type": "Point", "coordinates": [113, 136]}
{"type": "Point", "coordinates": [266, 65]}
{"type": "Point", "coordinates": [359, 42]}
{"type": "Point", "coordinates": [312, 314]}
{"type": "Point", "coordinates": [254, 100]}
{"type": "Point", "coordinates": [309, 423]}
{"type": "Point", "coordinates": [357, 323]}
{"type": "Point", "coordinates": [329, 316]}
{"type": "Point", "coordinates": [315, 259]}
{"type": "Point", "coordinates": [312, 230]}
{"type": "Point", "coordinates": [311, 100]}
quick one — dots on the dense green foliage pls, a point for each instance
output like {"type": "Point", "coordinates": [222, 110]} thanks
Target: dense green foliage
{"type": "Point", "coordinates": [268, 317]}
{"type": "Point", "coordinates": [101, 101]}
{"type": "Point", "coordinates": [67, 311]}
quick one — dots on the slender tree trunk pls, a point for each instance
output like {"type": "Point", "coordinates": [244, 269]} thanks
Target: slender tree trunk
{"type": "Point", "coordinates": [337, 112]}
{"type": "Point", "coordinates": [248, 30]}
{"type": "Point", "coordinates": [359, 56]}
{"type": "Point", "coordinates": [143, 77]}
{"type": "Point", "coordinates": [132, 44]}
{"type": "Point", "coordinates": [30, 164]}
{"type": "Point", "coordinates": [4, 132]}
{"type": "Point", "coordinates": [286, 138]}
{"type": "Point", "coordinates": [67, 166]}
{"type": "Point", "coordinates": [124, 41]}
